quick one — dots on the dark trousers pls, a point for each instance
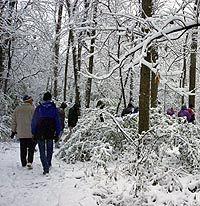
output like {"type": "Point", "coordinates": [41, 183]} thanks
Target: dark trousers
{"type": "Point", "coordinates": [27, 147]}
{"type": "Point", "coordinates": [46, 153]}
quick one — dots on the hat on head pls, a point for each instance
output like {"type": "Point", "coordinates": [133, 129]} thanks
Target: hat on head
{"type": "Point", "coordinates": [63, 105]}
{"type": "Point", "coordinates": [47, 96]}
{"type": "Point", "coordinates": [27, 98]}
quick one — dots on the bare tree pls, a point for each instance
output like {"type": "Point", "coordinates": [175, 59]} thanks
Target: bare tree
{"type": "Point", "coordinates": [6, 47]}
{"type": "Point", "coordinates": [71, 12]}
{"type": "Point", "coordinates": [66, 65]}
{"type": "Point", "coordinates": [57, 47]}
{"type": "Point", "coordinates": [129, 74]}
{"type": "Point", "coordinates": [193, 60]}
{"type": "Point", "coordinates": [2, 5]}
{"type": "Point", "coordinates": [91, 58]}
{"type": "Point", "coordinates": [184, 70]}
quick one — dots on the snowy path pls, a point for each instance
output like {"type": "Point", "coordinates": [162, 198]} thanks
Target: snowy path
{"type": "Point", "coordinates": [65, 185]}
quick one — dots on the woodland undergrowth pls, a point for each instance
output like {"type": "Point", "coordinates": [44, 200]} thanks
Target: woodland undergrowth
{"type": "Point", "coordinates": [128, 166]}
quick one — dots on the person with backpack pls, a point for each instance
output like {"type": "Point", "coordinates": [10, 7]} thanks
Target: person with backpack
{"type": "Point", "coordinates": [46, 127]}
{"type": "Point", "coordinates": [184, 113]}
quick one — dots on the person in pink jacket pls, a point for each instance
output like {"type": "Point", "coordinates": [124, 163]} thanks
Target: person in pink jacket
{"type": "Point", "coordinates": [192, 113]}
{"type": "Point", "coordinates": [21, 126]}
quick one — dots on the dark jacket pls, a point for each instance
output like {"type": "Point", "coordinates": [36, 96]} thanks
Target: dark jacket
{"type": "Point", "coordinates": [46, 121]}
{"type": "Point", "coordinates": [128, 110]}
{"type": "Point", "coordinates": [61, 112]}
{"type": "Point", "coordinates": [73, 116]}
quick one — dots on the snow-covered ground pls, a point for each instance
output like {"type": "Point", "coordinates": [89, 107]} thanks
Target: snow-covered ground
{"type": "Point", "coordinates": [72, 185]}
{"type": "Point", "coordinates": [65, 184]}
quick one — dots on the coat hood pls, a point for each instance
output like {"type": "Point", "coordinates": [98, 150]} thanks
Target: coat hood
{"type": "Point", "coordinates": [184, 107]}
{"type": "Point", "coordinates": [47, 104]}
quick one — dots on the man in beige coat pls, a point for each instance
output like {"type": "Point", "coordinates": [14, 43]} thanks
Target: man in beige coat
{"type": "Point", "coordinates": [21, 125]}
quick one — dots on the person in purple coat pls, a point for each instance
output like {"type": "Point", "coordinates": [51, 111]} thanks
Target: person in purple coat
{"type": "Point", "coordinates": [184, 113]}
{"type": "Point", "coordinates": [170, 111]}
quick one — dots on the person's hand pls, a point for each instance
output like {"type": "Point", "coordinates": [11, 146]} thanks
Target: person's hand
{"type": "Point", "coordinates": [13, 135]}
{"type": "Point", "coordinates": [56, 138]}
{"type": "Point", "coordinates": [33, 138]}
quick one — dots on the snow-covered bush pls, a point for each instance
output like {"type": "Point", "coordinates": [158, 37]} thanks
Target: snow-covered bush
{"type": "Point", "coordinates": [156, 161]}
{"type": "Point", "coordinates": [97, 141]}
{"type": "Point", "coordinates": [6, 109]}
{"type": "Point", "coordinates": [120, 136]}
{"type": "Point", "coordinates": [136, 164]}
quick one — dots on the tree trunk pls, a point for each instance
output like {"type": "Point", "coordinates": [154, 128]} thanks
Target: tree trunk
{"type": "Point", "coordinates": [66, 66]}
{"type": "Point", "coordinates": [9, 57]}
{"type": "Point", "coordinates": [154, 80]}
{"type": "Point", "coordinates": [120, 74]}
{"type": "Point", "coordinates": [131, 86]}
{"type": "Point", "coordinates": [183, 76]}
{"type": "Point", "coordinates": [192, 77]}
{"type": "Point", "coordinates": [124, 86]}
{"type": "Point", "coordinates": [144, 97]}
{"type": "Point", "coordinates": [71, 11]}
{"type": "Point", "coordinates": [1, 49]}
{"type": "Point", "coordinates": [56, 50]}
{"type": "Point", "coordinates": [75, 66]}
{"type": "Point", "coordinates": [8, 45]}
{"type": "Point", "coordinates": [1, 66]}
{"type": "Point", "coordinates": [193, 58]}
{"type": "Point", "coordinates": [145, 78]}
{"type": "Point", "coordinates": [91, 60]}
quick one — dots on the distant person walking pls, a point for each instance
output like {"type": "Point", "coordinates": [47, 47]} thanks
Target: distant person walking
{"type": "Point", "coordinates": [21, 125]}
{"type": "Point", "coordinates": [192, 113]}
{"type": "Point", "coordinates": [73, 116]}
{"type": "Point", "coordinates": [170, 111]}
{"type": "Point", "coordinates": [100, 105]}
{"type": "Point", "coordinates": [61, 111]}
{"type": "Point", "coordinates": [184, 113]}
{"type": "Point", "coordinates": [128, 110]}
{"type": "Point", "coordinates": [46, 127]}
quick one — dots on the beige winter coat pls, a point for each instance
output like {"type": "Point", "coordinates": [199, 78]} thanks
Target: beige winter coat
{"type": "Point", "coordinates": [21, 120]}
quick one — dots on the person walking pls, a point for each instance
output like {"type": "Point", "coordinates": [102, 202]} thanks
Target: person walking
{"type": "Point", "coordinates": [21, 126]}
{"type": "Point", "coordinates": [128, 110]}
{"type": "Point", "coordinates": [192, 113]}
{"type": "Point", "coordinates": [73, 116]}
{"type": "Point", "coordinates": [100, 105]}
{"type": "Point", "coordinates": [170, 111]}
{"type": "Point", "coordinates": [46, 127]}
{"type": "Point", "coordinates": [61, 111]}
{"type": "Point", "coordinates": [184, 113]}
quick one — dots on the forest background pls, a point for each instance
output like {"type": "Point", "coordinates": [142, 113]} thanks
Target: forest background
{"type": "Point", "coordinates": [118, 51]}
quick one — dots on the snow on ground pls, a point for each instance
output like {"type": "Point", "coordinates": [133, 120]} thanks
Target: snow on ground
{"type": "Point", "coordinates": [70, 185]}
{"type": "Point", "coordinates": [65, 184]}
